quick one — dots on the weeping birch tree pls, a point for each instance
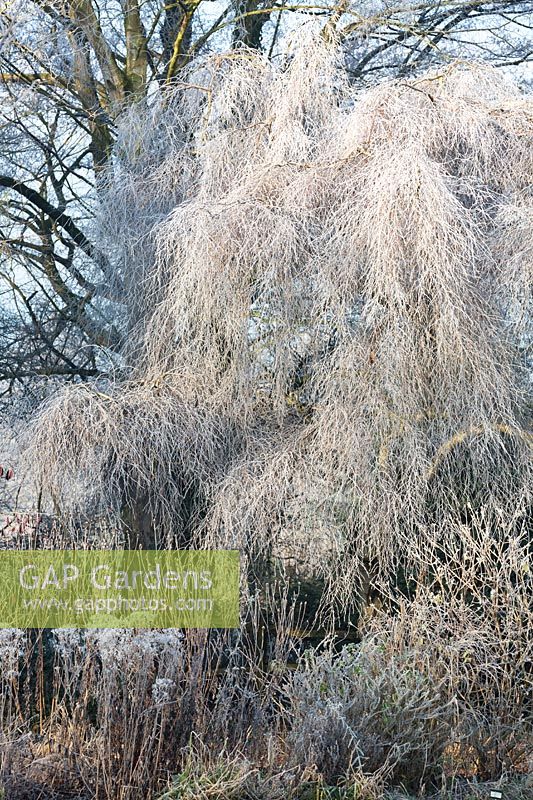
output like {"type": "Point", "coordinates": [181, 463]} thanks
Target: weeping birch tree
{"type": "Point", "coordinates": [330, 323]}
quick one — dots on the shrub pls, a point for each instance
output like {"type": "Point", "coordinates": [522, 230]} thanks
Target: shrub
{"type": "Point", "coordinates": [370, 709]}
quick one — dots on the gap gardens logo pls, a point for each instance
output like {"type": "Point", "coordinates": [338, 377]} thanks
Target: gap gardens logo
{"type": "Point", "coordinates": [119, 589]}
